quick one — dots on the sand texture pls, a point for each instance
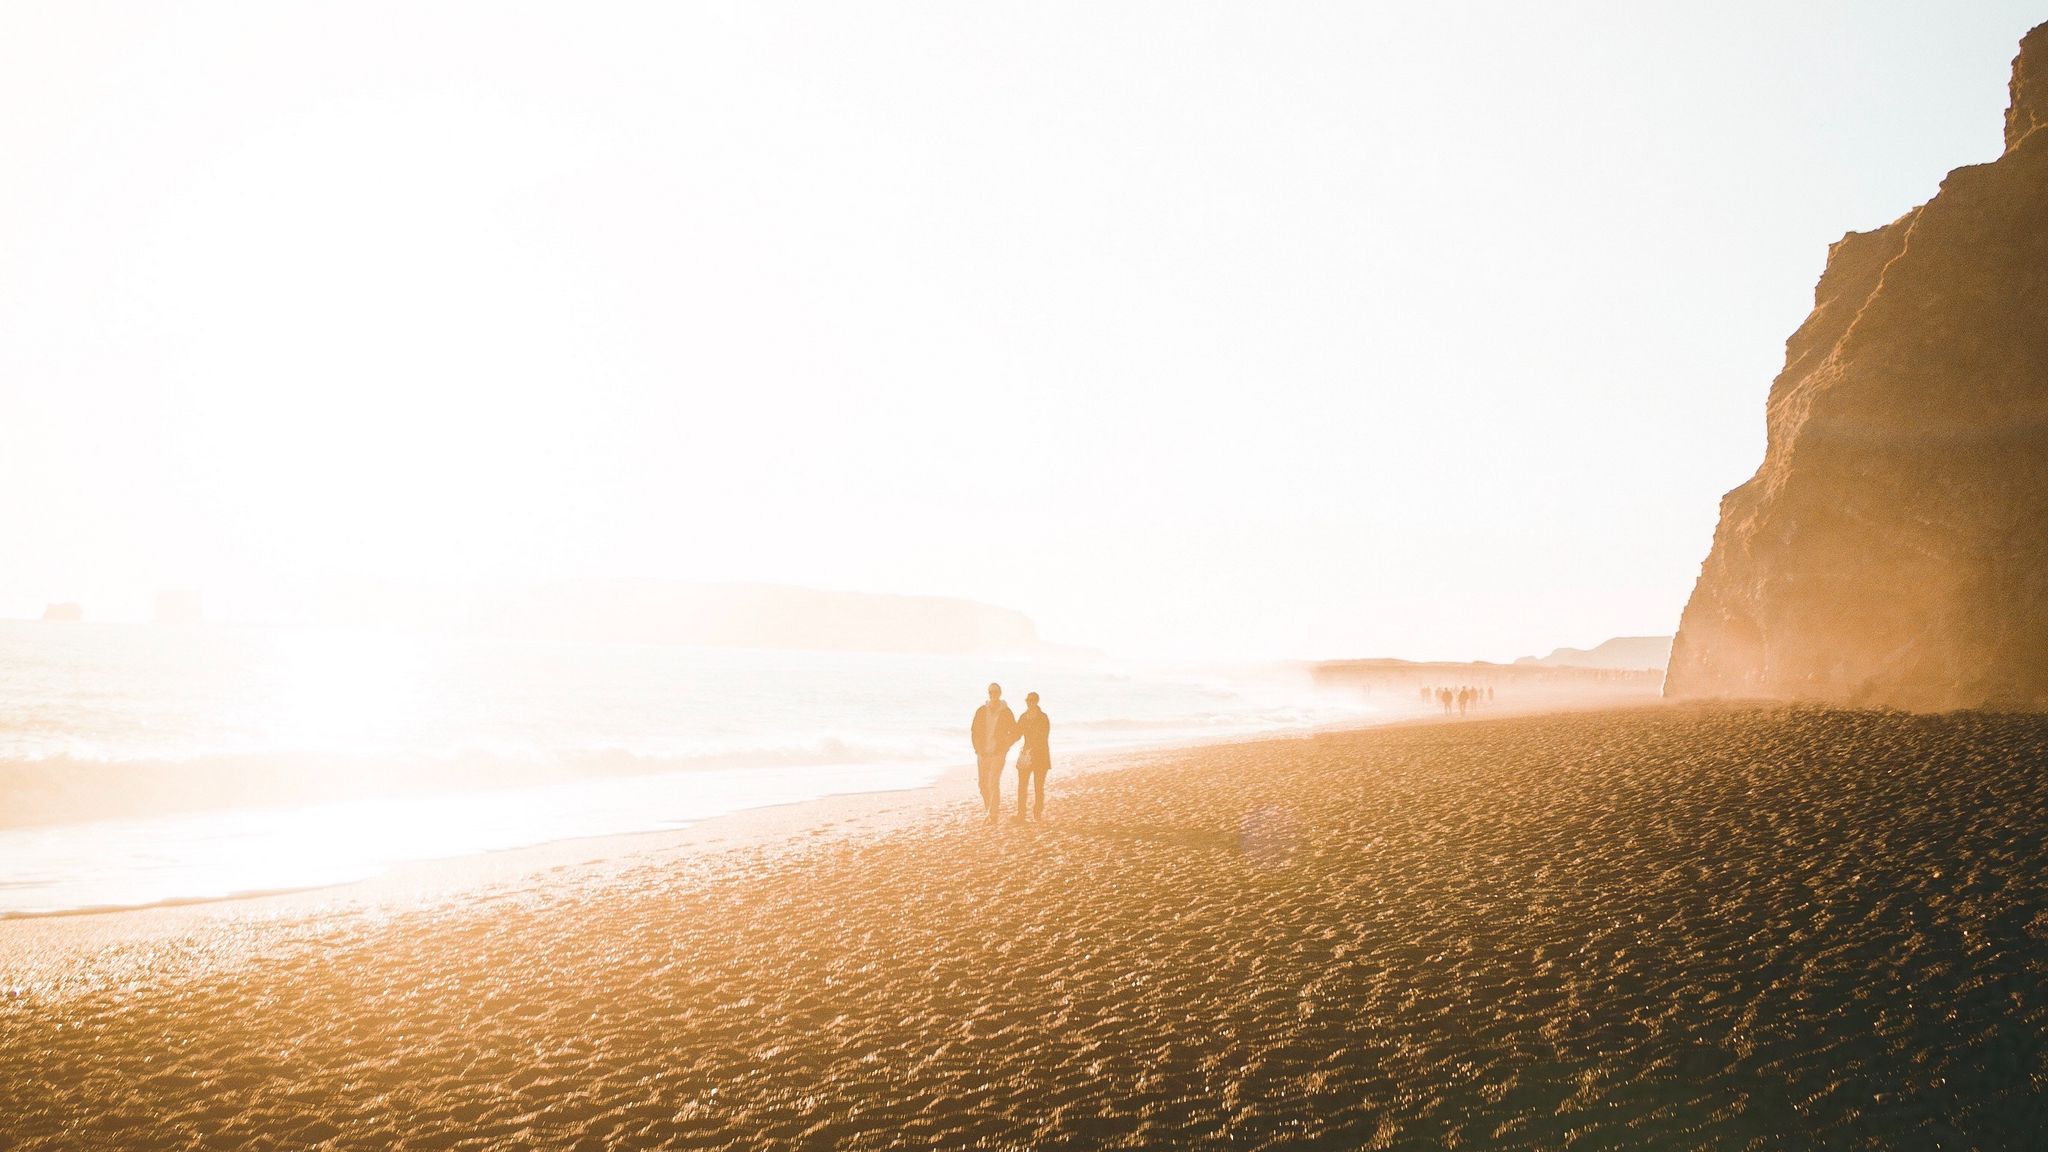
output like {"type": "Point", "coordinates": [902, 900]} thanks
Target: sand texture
{"type": "Point", "coordinates": [1699, 926]}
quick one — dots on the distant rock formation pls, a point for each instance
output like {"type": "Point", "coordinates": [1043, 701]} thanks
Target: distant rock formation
{"type": "Point", "coordinates": [1620, 652]}
{"type": "Point", "coordinates": [69, 610]}
{"type": "Point", "coordinates": [1892, 550]}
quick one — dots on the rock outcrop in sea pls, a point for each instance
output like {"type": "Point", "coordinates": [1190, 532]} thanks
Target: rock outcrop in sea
{"type": "Point", "coordinates": [1892, 550]}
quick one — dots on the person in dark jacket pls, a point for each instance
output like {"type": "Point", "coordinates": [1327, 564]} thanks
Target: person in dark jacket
{"type": "Point", "coordinates": [1035, 728]}
{"type": "Point", "coordinates": [993, 731]}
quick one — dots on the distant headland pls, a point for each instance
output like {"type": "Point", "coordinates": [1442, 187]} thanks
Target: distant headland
{"type": "Point", "coordinates": [1635, 652]}
{"type": "Point", "coordinates": [708, 615]}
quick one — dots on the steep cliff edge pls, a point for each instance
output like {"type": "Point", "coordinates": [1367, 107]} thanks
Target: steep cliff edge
{"type": "Point", "coordinates": [2029, 108]}
{"type": "Point", "coordinates": [1893, 547]}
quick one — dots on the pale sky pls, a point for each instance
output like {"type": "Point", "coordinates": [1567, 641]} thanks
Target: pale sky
{"type": "Point", "coordinates": [1250, 330]}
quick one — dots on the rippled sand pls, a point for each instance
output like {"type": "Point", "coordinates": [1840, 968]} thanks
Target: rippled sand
{"type": "Point", "coordinates": [1712, 927]}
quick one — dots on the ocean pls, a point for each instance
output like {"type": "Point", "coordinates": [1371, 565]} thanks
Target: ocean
{"type": "Point", "coordinates": [144, 765]}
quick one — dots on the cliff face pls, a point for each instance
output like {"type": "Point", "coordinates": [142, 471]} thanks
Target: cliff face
{"type": "Point", "coordinates": [1893, 547]}
{"type": "Point", "coordinates": [2029, 88]}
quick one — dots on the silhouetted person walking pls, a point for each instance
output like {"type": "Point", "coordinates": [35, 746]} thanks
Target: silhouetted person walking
{"type": "Point", "coordinates": [993, 731]}
{"type": "Point", "coordinates": [1035, 759]}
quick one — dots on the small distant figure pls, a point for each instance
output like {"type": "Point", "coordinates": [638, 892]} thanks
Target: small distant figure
{"type": "Point", "coordinates": [1464, 700]}
{"type": "Point", "coordinates": [1489, 693]}
{"type": "Point", "coordinates": [1443, 697]}
{"type": "Point", "coordinates": [1034, 760]}
{"type": "Point", "coordinates": [993, 731]}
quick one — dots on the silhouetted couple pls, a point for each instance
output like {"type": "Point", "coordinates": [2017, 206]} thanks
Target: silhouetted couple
{"type": "Point", "coordinates": [995, 729]}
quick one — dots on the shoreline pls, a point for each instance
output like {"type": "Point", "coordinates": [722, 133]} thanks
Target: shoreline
{"type": "Point", "coordinates": [1697, 924]}
{"type": "Point", "coordinates": [768, 829]}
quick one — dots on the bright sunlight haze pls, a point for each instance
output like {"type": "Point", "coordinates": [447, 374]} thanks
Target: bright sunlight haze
{"type": "Point", "coordinates": [1337, 331]}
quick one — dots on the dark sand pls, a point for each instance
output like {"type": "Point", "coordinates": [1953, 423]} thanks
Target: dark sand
{"type": "Point", "coordinates": [1659, 928]}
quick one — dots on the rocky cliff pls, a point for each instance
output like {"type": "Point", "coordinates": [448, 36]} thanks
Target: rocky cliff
{"type": "Point", "coordinates": [1893, 547]}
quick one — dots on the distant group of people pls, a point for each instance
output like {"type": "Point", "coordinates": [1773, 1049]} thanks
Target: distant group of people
{"type": "Point", "coordinates": [994, 731]}
{"type": "Point", "coordinates": [1462, 697]}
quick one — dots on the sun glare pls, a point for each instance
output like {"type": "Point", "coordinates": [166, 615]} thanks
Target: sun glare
{"type": "Point", "coordinates": [346, 691]}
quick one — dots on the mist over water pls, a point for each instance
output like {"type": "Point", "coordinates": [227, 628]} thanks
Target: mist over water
{"type": "Point", "coordinates": [147, 764]}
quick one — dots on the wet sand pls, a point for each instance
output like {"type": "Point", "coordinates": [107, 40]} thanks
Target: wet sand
{"type": "Point", "coordinates": [1719, 927]}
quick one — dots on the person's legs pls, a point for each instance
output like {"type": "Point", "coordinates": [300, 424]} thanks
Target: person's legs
{"type": "Point", "coordinates": [1038, 807]}
{"type": "Point", "coordinates": [1023, 786]}
{"type": "Point", "coordinates": [991, 768]}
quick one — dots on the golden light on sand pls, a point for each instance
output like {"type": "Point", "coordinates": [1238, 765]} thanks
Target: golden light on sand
{"type": "Point", "coordinates": [507, 511]}
{"type": "Point", "coordinates": [1647, 928]}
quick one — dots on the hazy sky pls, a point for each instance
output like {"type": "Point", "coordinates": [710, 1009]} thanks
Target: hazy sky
{"type": "Point", "coordinates": [1431, 330]}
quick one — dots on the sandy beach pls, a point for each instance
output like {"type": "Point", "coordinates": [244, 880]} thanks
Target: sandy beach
{"type": "Point", "coordinates": [1671, 927]}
